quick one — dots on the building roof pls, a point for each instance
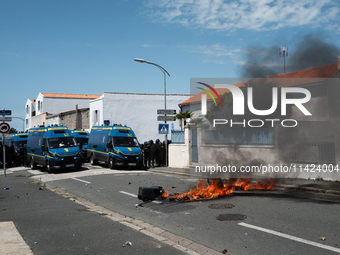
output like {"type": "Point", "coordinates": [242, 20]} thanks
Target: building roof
{"type": "Point", "coordinates": [325, 71]}
{"type": "Point", "coordinates": [290, 79]}
{"type": "Point", "coordinates": [63, 95]}
{"type": "Point", "coordinates": [32, 100]}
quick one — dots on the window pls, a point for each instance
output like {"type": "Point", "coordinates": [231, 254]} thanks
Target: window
{"type": "Point", "coordinates": [96, 117]}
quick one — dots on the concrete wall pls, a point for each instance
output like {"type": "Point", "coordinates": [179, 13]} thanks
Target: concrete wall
{"type": "Point", "coordinates": [69, 119]}
{"type": "Point", "coordinates": [136, 110]}
{"type": "Point", "coordinates": [39, 120]}
{"type": "Point", "coordinates": [53, 120]}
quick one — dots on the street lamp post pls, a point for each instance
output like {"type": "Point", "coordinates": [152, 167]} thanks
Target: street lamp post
{"type": "Point", "coordinates": [165, 73]}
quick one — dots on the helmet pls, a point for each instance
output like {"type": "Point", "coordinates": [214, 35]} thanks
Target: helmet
{"type": "Point", "coordinates": [157, 141]}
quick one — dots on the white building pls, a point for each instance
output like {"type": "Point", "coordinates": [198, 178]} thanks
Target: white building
{"type": "Point", "coordinates": [136, 110]}
{"type": "Point", "coordinates": [46, 104]}
{"type": "Point", "coordinates": [29, 112]}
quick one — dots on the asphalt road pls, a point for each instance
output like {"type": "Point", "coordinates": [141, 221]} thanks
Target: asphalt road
{"type": "Point", "coordinates": [268, 222]}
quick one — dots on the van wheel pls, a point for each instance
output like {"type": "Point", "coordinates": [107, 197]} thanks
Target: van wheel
{"type": "Point", "coordinates": [111, 163]}
{"type": "Point", "coordinates": [78, 167]}
{"type": "Point", "coordinates": [33, 165]}
{"type": "Point", "coordinates": [48, 167]}
{"type": "Point", "coordinates": [93, 161]}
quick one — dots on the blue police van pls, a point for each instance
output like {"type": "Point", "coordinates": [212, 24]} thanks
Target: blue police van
{"type": "Point", "coordinates": [15, 143]}
{"type": "Point", "coordinates": [53, 147]}
{"type": "Point", "coordinates": [82, 137]}
{"type": "Point", "coordinates": [114, 145]}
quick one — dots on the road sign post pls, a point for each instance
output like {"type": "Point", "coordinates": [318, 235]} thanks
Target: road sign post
{"type": "Point", "coordinates": [167, 112]}
{"type": "Point", "coordinates": [163, 129]}
{"type": "Point", "coordinates": [166, 118]}
{"type": "Point", "coordinates": [4, 129]}
{"type": "Point", "coordinates": [4, 154]}
{"type": "Point", "coordinates": [5, 112]}
{"type": "Point", "coordinates": [8, 119]}
{"type": "Point", "coordinates": [164, 112]}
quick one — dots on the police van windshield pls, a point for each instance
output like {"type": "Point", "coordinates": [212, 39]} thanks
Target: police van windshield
{"type": "Point", "coordinates": [119, 141]}
{"type": "Point", "coordinates": [18, 144]}
{"type": "Point", "coordinates": [81, 140]}
{"type": "Point", "coordinates": [61, 142]}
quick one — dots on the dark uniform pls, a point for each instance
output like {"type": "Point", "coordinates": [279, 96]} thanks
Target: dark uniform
{"type": "Point", "coordinates": [158, 146]}
{"type": "Point", "coordinates": [162, 154]}
{"type": "Point", "coordinates": [146, 149]}
{"type": "Point", "coordinates": [152, 154]}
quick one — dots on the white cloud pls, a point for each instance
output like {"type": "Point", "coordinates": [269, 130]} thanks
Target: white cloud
{"type": "Point", "coordinates": [218, 53]}
{"type": "Point", "coordinates": [215, 50]}
{"type": "Point", "coordinates": [246, 14]}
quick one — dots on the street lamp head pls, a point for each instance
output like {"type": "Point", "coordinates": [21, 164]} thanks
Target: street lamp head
{"type": "Point", "coordinates": [139, 60]}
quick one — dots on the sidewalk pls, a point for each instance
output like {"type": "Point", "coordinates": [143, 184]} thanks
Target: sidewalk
{"type": "Point", "coordinates": [318, 186]}
{"type": "Point", "coordinates": [49, 223]}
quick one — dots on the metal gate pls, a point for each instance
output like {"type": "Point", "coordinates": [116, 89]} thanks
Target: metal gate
{"type": "Point", "coordinates": [194, 149]}
{"type": "Point", "coordinates": [309, 150]}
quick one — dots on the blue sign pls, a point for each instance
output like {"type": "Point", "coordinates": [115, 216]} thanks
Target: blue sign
{"type": "Point", "coordinates": [163, 129]}
{"type": "Point", "coordinates": [5, 112]}
{"type": "Point", "coordinates": [106, 122]}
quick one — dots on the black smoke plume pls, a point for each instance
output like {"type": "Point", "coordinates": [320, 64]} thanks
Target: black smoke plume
{"type": "Point", "coordinates": [309, 51]}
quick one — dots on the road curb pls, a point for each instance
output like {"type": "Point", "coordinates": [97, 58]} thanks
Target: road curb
{"type": "Point", "coordinates": [310, 189]}
{"type": "Point", "coordinates": [167, 172]}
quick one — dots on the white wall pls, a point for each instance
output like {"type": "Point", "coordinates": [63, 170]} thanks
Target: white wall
{"type": "Point", "coordinates": [179, 154]}
{"type": "Point", "coordinates": [96, 111]}
{"type": "Point", "coordinates": [52, 105]}
{"type": "Point", "coordinates": [28, 115]}
{"type": "Point", "coordinates": [138, 111]}
{"type": "Point", "coordinates": [39, 100]}
{"type": "Point", "coordinates": [53, 120]}
{"type": "Point", "coordinates": [57, 105]}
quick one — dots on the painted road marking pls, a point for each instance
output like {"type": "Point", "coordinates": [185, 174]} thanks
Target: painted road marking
{"type": "Point", "coordinates": [294, 238]}
{"type": "Point", "coordinates": [127, 193]}
{"type": "Point", "coordinates": [80, 180]}
{"type": "Point", "coordinates": [134, 195]}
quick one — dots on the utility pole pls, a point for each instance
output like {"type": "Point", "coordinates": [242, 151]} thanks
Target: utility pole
{"type": "Point", "coordinates": [284, 54]}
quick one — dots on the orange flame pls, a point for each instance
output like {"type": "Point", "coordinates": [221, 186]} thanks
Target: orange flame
{"type": "Point", "coordinates": [218, 189]}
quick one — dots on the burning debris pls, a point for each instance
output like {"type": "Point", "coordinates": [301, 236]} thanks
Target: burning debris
{"type": "Point", "coordinates": [203, 191]}
{"type": "Point", "coordinates": [149, 193]}
{"type": "Point", "coordinates": [216, 189]}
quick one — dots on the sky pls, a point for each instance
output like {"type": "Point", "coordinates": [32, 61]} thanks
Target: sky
{"type": "Point", "coordinates": [88, 46]}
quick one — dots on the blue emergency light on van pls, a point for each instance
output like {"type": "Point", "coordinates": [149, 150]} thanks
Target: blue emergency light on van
{"type": "Point", "coordinates": [115, 145]}
{"type": "Point", "coordinates": [82, 137]}
{"type": "Point", "coordinates": [54, 148]}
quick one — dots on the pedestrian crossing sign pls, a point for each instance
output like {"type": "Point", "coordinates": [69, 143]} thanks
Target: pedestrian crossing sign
{"type": "Point", "coordinates": [163, 129]}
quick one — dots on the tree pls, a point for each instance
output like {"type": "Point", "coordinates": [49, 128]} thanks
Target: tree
{"type": "Point", "coordinates": [12, 130]}
{"type": "Point", "coordinates": [184, 116]}
{"type": "Point", "coordinates": [197, 121]}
